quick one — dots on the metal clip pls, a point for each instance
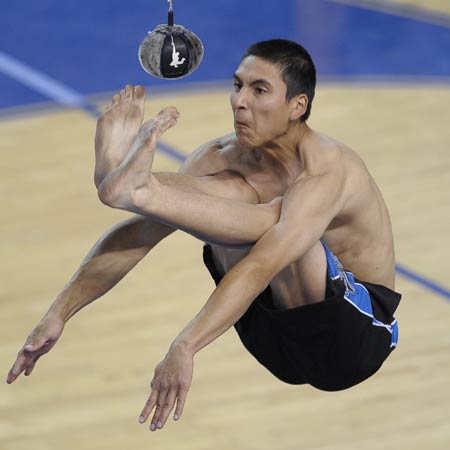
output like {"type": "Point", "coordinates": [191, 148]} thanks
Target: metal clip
{"type": "Point", "coordinates": [170, 14]}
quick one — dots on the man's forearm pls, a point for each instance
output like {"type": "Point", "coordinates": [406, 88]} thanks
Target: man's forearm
{"type": "Point", "coordinates": [111, 258]}
{"type": "Point", "coordinates": [232, 297]}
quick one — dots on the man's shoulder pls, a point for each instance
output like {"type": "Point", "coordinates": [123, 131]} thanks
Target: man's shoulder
{"type": "Point", "coordinates": [212, 157]}
{"type": "Point", "coordinates": [329, 154]}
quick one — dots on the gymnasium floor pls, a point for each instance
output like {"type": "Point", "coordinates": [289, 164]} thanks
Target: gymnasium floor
{"type": "Point", "coordinates": [384, 89]}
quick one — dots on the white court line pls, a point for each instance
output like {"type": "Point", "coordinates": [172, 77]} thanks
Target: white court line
{"type": "Point", "coordinates": [40, 82]}
{"type": "Point", "coordinates": [59, 92]}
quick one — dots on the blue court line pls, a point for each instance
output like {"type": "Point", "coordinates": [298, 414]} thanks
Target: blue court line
{"type": "Point", "coordinates": [419, 279]}
{"type": "Point", "coordinates": [69, 97]}
{"type": "Point", "coordinates": [171, 151]}
{"type": "Point", "coordinates": [406, 11]}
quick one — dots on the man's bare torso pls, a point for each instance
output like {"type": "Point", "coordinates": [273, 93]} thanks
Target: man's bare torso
{"type": "Point", "coordinates": [360, 235]}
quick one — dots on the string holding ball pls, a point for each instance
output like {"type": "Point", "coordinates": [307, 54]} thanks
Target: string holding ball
{"type": "Point", "coordinates": [170, 51]}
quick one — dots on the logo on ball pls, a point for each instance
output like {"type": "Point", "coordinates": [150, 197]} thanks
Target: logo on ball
{"type": "Point", "coordinates": [176, 56]}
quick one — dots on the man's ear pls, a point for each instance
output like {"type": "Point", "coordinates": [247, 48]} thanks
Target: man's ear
{"type": "Point", "coordinates": [299, 105]}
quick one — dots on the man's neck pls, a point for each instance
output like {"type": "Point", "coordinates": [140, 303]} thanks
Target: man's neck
{"type": "Point", "coordinates": [285, 148]}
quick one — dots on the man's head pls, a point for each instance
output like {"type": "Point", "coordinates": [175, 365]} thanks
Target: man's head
{"type": "Point", "coordinates": [274, 88]}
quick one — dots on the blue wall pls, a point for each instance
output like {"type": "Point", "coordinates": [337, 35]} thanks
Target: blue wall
{"type": "Point", "coordinates": [91, 46]}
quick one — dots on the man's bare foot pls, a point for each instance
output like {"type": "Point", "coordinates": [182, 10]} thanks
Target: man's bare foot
{"type": "Point", "coordinates": [156, 127]}
{"type": "Point", "coordinates": [142, 150]}
{"type": "Point", "coordinates": [117, 129]}
{"type": "Point", "coordinates": [134, 173]}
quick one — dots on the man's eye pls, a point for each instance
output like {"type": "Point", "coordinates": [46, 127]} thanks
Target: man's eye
{"type": "Point", "coordinates": [260, 90]}
{"type": "Point", "coordinates": [237, 86]}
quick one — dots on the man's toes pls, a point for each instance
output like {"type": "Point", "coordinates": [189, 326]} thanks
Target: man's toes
{"type": "Point", "coordinates": [169, 114]}
{"type": "Point", "coordinates": [169, 111]}
{"type": "Point", "coordinates": [166, 119]}
{"type": "Point", "coordinates": [128, 92]}
{"type": "Point", "coordinates": [139, 92]}
{"type": "Point", "coordinates": [115, 99]}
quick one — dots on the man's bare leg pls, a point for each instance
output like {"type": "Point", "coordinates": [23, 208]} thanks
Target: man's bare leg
{"type": "Point", "coordinates": [132, 187]}
{"type": "Point", "coordinates": [117, 129]}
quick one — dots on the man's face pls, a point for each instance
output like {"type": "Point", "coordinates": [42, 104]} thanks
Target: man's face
{"type": "Point", "coordinates": [261, 113]}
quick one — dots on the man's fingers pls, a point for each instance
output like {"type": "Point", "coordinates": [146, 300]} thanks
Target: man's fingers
{"type": "Point", "coordinates": [17, 367]}
{"type": "Point", "coordinates": [149, 405]}
{"type": "Point", "coordinates": [14, 373]}
{"type": "Point", "coordinates": [30, 366]}
{"type": "Point", "coordinates": [26, 360]}
{"type": "Point", "coordinates": [156, 422]}
{"type": "Point", "coordinates": [182, 394]}
{"type": "Point", "coordinates": [11, 376]}
{"type": "Point", "coordinates": [39, 342]}
{"type": "Point", "coordinates": [167, 407]}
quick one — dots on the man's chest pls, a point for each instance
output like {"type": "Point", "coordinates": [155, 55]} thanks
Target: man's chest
{"type": "Point", "coordinates": [269, 175]}
{"type": "Point", "coordinates": [267, 182]}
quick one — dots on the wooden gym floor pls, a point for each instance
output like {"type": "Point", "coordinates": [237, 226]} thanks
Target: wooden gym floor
{"type": "Point", "coordinates": [87, 393]}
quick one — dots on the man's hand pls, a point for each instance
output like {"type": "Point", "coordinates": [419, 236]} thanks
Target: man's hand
{"type": "Point", "coordinates": [40, 341]}
{"type": "Point", "coordinates": [171, 382]}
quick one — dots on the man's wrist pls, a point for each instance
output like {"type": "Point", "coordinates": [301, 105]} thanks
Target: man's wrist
{"type": "Point", "coordinates": [183, 345]}
{"type": "Point", "coordinates": [59, 311]}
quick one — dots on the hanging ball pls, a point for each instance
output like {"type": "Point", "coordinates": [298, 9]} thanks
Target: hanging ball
{"type": "Point", "coordinates": [170, 51]}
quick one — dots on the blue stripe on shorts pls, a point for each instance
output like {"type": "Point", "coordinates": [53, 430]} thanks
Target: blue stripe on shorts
{"type": "Point", "coordinates": [356, 294]}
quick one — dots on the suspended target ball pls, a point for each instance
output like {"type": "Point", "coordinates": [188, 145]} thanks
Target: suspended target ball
{"type": "Point", "coordinates": [170, 51]}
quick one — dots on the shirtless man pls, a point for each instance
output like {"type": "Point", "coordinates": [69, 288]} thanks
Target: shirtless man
{"type": "Point", "coordinates": [281, 209]}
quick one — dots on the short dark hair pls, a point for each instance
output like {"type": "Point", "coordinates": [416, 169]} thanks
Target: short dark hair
{"type": "Point", "coordinates": [296, 66]}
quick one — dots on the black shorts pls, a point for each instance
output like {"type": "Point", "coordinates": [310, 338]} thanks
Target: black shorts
{"type": "Point", "coordinates": [331, 345]}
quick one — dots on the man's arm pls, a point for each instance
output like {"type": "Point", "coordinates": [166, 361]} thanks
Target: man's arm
{"type": "Point", "coordinates": [307, 210]}
{"type": "Point", "coordinates": [111, 258]}
{"type": "Point", "coordinates": [114, 255]}
{"type": "Point", "coordinates": [125, 244]}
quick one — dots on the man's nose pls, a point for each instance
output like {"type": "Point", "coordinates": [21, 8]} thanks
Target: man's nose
{"type": "Point", "coordinates": [241, 99]}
